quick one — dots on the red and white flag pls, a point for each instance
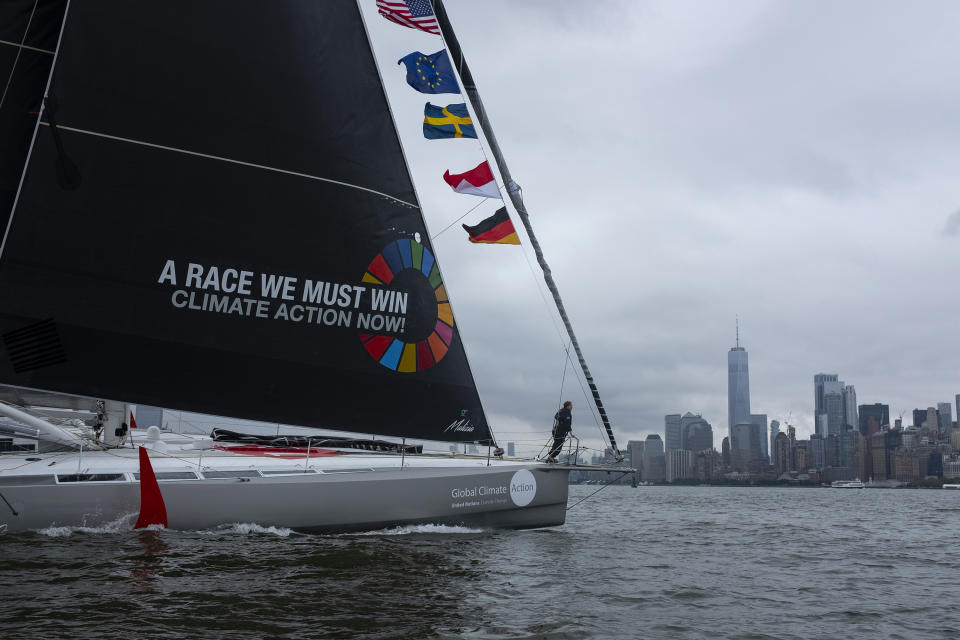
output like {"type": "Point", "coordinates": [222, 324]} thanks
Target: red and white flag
{"type": "Point", "coordinates": [415, 14]}
{"type": "Point", "coordinates": [477, 182]}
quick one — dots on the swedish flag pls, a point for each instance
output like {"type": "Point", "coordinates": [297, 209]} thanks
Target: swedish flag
{"type": "Point", "coordinates": [430, 73]}
{"type": "Point", "coordinates": [451, 121]}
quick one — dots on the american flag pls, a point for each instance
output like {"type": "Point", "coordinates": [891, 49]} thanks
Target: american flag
{"type": "Point", "coordinates": [416, 14]}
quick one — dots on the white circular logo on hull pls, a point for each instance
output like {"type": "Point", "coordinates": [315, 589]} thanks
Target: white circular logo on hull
{"type": "Point", "coordinates": [523, 488]}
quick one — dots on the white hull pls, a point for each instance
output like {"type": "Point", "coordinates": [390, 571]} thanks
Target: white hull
{"type": "Point", "coordinates": [203, 489]}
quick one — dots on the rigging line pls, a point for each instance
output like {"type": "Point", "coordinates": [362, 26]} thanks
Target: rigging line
{"type": "Point", "coordinates": [26, 46]}
{"type": "Point", "coordinates": [551, 310]}
{"type": "Point", "coordinates": [593, 412]}
{"type": "Point", "coordinates": [563, 378]}
{"type": "Point", "coordinates": [54, 454]}
{"type": "Point", "coordinates": [538, 284]}
{"type": "Point", "coordinates": [10, 506]}
{"type": "Point", "coordinates": [622, 473]}
{"type": "Point", "coordinates": [36, 129]}
{"type": "Point", "coordinates": [469, 211]}
{"type": "Point", "coordinates": [19, 51]}
{"type": "Point", "coordinates": [232, 161]}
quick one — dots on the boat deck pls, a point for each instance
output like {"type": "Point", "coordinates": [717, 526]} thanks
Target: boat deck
{"type": "Point", "coordinates": [184, 457]}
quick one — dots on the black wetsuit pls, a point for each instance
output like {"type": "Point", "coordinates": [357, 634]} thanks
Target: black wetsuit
{"type": "Point", "coordinates": [563, 421]}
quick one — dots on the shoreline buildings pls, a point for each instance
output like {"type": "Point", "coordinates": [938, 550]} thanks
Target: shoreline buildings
{"type": "Point", "coordinates": [851, 440]}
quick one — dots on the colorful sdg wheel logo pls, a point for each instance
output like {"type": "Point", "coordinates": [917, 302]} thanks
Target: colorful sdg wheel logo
{"type": "Point", "coordinates": [410, 262]}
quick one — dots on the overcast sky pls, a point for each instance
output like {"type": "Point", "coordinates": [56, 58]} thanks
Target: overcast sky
{"type": "Point", "coordinates": [793, 163]}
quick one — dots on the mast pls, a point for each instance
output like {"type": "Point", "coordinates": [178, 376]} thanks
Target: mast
{"type": "Point", "coordinates": [456, 56]}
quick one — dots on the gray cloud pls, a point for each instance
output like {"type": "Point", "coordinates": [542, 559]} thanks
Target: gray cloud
{"type": "Point", "coordinates": [952, 228]}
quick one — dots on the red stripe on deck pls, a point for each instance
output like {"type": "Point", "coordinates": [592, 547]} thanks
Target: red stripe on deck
{"type": "Point", "coordinates": [287, 453]}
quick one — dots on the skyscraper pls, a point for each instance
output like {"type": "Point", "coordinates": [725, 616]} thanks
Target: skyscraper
{"type": "Point", "coordinates": [872, 417]}
{"type": "Point", "coordinates": [850, 408]}
{"type": "Point", "coordinates": [933, 420]}
{"type": "Point", "coordinates": [781, 453]}
{"type": "Point", "coordinates": [819, 381]}
{"type": "Point", "coordinates": [679, 465]}
{"type": "Point", "coordinates": [654, 464]}
{"type": "Point", "coordinates": [738, 386]}
{"type": "Point", "coordinates": [635, 449]}
{"type": "Point", "coordinates": [745, 447]}
{"type": "Point", "coordinates": [671, 432]}
{"type": "Point", "coordinates": [759, 420]}
{"type": "Point", "coordinates": [696, 434]}
{"type": "Point", "coordinates": [946, 415]}
{"type": "Point", "coordinates": [774, 430]}
{"type": "Point", "coordinates": [817, 451]}
{"type": "Point", "coordinates": [833, 413]}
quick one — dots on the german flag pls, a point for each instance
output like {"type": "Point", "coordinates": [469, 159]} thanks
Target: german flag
{"type": "Point", "coordinates": [497, 229]}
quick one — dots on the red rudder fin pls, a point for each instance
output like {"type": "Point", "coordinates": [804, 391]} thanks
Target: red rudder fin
{"type": "Point", "coordinates": [152, 509]}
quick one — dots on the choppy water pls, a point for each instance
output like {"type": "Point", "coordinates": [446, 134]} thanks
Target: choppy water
{"type": "Point", "coordinates": [652, 562]}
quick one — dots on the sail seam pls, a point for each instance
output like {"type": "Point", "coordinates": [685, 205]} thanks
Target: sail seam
{"type": "Point", "coordinates": [36, 126]}
{"type": "Point", "coordinates": [26, 46]}
{"type": "Point", "coordinates": [16, 60]}
{"type": "Point", "coordinates": [230, 160]}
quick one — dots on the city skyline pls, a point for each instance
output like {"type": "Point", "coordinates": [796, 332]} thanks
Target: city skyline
{"type": "Point", "coordinates": [843, 404]}
{"type": "Point", "coordinates": [834, 403]}
{"type": "Point", "coordinates": [853, 444]}
{"type": "Point", "coordinates": [835, 409]}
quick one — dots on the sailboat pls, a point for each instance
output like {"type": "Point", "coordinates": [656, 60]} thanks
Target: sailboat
{"type": "Point", "coordinates": [208, 209]}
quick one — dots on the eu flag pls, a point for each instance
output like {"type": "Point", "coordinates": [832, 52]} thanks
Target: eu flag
{"type": "Point", "coordinates": [430, 73]}
{"type": "Point", "coordinates": [451, 121]}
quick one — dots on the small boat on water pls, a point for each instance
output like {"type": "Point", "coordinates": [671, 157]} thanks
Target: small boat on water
{"type": "Point", "coordinates": [847, 484]}
{"type": "Point", "coordinates": [951, 486]}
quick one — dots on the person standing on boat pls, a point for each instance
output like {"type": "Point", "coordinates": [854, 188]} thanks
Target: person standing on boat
{"type": "Point", "coordinates": [562, 426]}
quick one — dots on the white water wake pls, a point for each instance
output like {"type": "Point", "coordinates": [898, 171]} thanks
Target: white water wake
{"type": "Point", "coordinates": [121, 525]}
{"type": "Point", "coordinates": [246, 528]}
{"type": "Point", "coordinates": [124, 524]}
{"type": "Point", "coordinates": [419, 528]}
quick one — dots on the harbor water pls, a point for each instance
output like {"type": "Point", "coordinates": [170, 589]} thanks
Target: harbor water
{"type": "Point", "coordinates": [649, 562]}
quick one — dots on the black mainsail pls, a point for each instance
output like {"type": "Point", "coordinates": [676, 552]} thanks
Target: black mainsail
{"type": "Point", "coordinates": [243, 238]}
